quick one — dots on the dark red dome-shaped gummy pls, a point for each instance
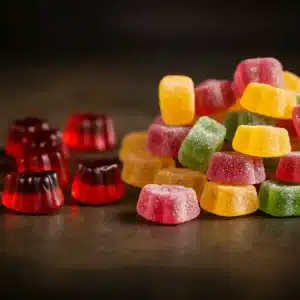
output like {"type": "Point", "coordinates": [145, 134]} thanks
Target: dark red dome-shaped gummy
{"type": "Point", "coordinates": [19, 128]}
{"type": "Point", "coordinates": [89, 132]}
{"type": "Point", "coordinates": [98, 182]}
{"type": "Point", "coordinates": [32, 192]}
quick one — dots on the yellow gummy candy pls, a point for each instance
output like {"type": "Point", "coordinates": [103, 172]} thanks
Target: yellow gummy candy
{"type": "Point", "coordinates": [140, 167]}
{"type": "Point", "coordinates": [269, 101]}
{"type": "Point", "coordinates": [261, 141]}
{"type": "Point", "coordinates": [131, 142]}
{"type": "Point", "coordinates": [177, 100]}
{"type": "Point", "coordinates": [181, 176]}
{"type": "Point", "coordinates": [291, 81]}
{"type": "Point", "coordinates": [228, 200]}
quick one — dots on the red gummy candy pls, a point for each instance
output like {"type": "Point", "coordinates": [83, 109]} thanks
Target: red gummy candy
{"type": "Point", "coordinates": [98, 182]}
{"type": "Point", "coordinates": [296, 119]}
{"type": "Point", "coordinates": [266, 70]}
{"type": "Point", "coordinates": [288, 125]}
{"type": "Point", "coordinates": [163, 140]}
{"type": "Point", "coordinates": [89, 132]}
{"type": "Point", "coordinates": [32, 192]}
{"type": "Point", "coordinates": [288, 168]}
{"type": "Point", "coordinates": [168, 204]}
{"type": "Point", "coordinates": [212, 96]}
{"type": "Point", "coordinates": [235, 169]}
{"type": "Point", "coordinates": [19, 128]}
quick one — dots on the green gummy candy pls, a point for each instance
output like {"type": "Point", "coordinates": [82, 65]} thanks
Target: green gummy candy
{"type": "Point", "coordinates": [205, 138]}
{"type": "Point", "coordinates": [236, 118]}
{"type": "Point", "coordinates": [279, 199]}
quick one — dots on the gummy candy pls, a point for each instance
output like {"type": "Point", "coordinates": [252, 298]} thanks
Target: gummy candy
{"type": "Point", "coordinates": [235, 168]}
{"type": "Point", "coordinates": [177, 100]}
{"type": "Point", "coordinates": [165, 140]}
{"type": "Point", "coordinates": [168, 204]}
{"type": "Point", "coordinates": [291, 81]}
{"type": "Point", "coordinates": [279, 199]}
{"type": "Point", "coordinates": [19, 128]}
{"type": "Point", "coordinates": [229, 200]}
{"type": "Point", "coordinates": [181, 176]}
{"type": "Point", "coordinates": [288, 169]}
{"type": "Point", "coordinates": [206, 137]}
{"type": "Point", "coordinates": [98, 182]}
{"type": "Point", "coordinates": [295, 143]}
{"type": "Point", "coordinates": [133, 141]}
{"type": "Point", "coordinates": [212, 96]}
{"type": "Point", "coordinates": [89, 132]}
{"type": "Point", "coordinates": [32, 192]}
{"type": "Point", "coordinates": [140, 167]}
{"type": "Point", "coordinates": [261, 141]}
{"type": "Point", "coordinates": [236, 107]}
{"type": "Point", "coordinates": [288, 125]}
{"type": "Point", "coordinates": [296, 119]}
{"type": "Point", "coordinates": [266, 70]}
{"type": "Point", "coordinates": [269, 101]}
{"type": "Point", "coordinates": [236, 118]}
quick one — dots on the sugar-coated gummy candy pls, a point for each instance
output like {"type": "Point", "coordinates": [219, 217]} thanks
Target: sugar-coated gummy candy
{"type": "Point", "coordinates": [98, 182]}
{"type": "Point", "coordinates": [291, 81]}
{"type": "Point", "coordinates": [229, 200]}
{"type": "Point", "coordinates": [182, 176]}
{"type": "Point", "coordinates": [205, 138]}
{"type": "Point", "coordinates": [20, 128]}
{"type": "Point", "coordinates": [89, 132]}
{"type": "Point", "coordinates": [133, 141]}
{"type": "Point", "coordinates": [269, 101]}
{"type": "Point", "coordinates": [296, 119]}
{"type": "Point", "coordinates": [288, 169]}
{"type": "Point", "coordinates": [288, 125]}
{"type": "Point", "coordinates": [212, 96]}
{"type": "Point", "coordinates": [235, 168]}
{"type": "Point", "coordinates": [164, 140]}
{"type": "Point", "coordinates": [140, 167]}
{"type": "Point", "coordinates": [261, 141]}
{"type": "Point", "coordinates": [177, 100]}
{"type": "Point", "coordinates": [32, 192]}
{"type": "Point", "coordinates": [279, 199]}
{"type": "Point", "coordinates": [168, 204]}
{"type": "Point", "coordinates": [266, 70]}
{"type": "Point", "coordinates": [236, 118]}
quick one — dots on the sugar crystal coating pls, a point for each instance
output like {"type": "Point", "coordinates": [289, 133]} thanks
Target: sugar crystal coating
{"type": "Point", "coordinates": [212, 96]}
{"type": "Point", "coordinates": [177, 100]}
{"type": "Point", "coordinates": [279, 199]}
{"type": "Point", "coordinates": [205, 138]}
{"type": "Point", "coordinates": [235, 168]}
{"type": "Point", "coordinates": [288, 169]}
{"type": "Point", "coordinates": [236, 118]}
{"type": "Point", "coordinates": [181, 176]}
{"type": "Point", "coordinates": [168, 204]}
{"type": "Point", "coordinates": [229, 200]}
{"type": "Point", "coordinates": [266, 70]}
{"type": "Point", "coordinates": [261, 141]}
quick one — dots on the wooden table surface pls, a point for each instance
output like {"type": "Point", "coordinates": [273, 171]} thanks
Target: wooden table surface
{"type": "Point", "coordinates": [109, 251]}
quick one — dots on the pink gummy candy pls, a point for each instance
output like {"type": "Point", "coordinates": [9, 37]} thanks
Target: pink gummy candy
{"type": "Point", "coordinates": [168, 204]}
{"type": "Point", "coordinates": [213, 95]}
{"type": "Point", "coordinates": [288, 168]}
{"type": "Point", "coordinates": [235, 168]}
{"type": "Point", "coordinates": [163, 140]}
{"type": "Point", "coordinates": [296, 119]}
{"type": "Point", "coordinates": [266, 70]}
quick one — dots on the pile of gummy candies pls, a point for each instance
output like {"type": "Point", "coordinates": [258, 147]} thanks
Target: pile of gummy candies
{"type": "Point", "coordinates": [228, 147]}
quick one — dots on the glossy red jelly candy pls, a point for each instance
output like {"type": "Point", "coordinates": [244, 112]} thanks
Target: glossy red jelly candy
{"type": "Point", "coordinates": [98, 182]}
{"type": "Point", "coordinates": [212, 96]}
{"type": "Point", "coordinates": [168, 204]}
{"type": "Point", "coordinates": [288, 125]}
{"type": "Point", "coordinates": [32, 192]}
{"type": "Point", "coordinates": [44, 151]}
{"type": "Point", "coordinates": [89, 132]}
{"type": "Point", "coordinates": [266, 70]}
{"type": "Point", "coordinates": [296, 119]}
{"type": "Point", "coordinates": [235, 169]}
{"type": "Point", "coordinates": [164, 140]}
{"type": "Point", "coordinates": [19, 128]}
{"type": "Point", "coordinates": [288, 168]}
